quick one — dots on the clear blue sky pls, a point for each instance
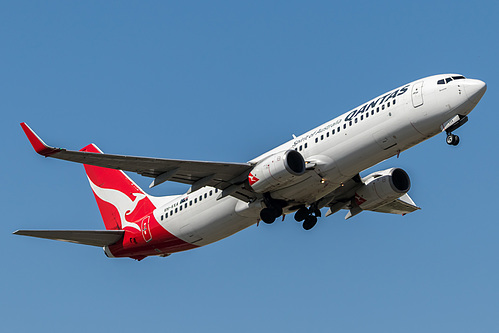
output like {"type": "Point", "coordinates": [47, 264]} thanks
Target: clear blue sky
{"type": "Point", "coordinates": [226, 81]}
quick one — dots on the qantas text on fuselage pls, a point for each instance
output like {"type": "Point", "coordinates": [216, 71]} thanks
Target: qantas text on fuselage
{"type": "Point", "coordinates": [317, 170]}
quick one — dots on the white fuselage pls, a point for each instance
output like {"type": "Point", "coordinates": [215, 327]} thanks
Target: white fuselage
{"type": "Point", "coordinates": [338, 150]}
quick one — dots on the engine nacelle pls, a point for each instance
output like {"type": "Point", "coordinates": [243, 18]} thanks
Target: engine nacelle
{"type": "Point", "coordinates": [276, 170]}
{"type": "Point", "coordinates": [382, 187]}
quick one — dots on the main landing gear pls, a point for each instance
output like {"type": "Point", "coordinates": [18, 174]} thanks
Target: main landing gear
{"type": "Point", "coordinates": [274, 209]}
{"type": "Point", "coordinates": [269, 214]}
{"type": "Point", "coordinates": [452, 139]}
{"type": "Point", "coordinates": [308, 216]}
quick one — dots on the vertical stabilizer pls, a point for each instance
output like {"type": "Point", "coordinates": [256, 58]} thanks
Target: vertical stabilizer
{"type": "Point", "coordinates": [122, 203]}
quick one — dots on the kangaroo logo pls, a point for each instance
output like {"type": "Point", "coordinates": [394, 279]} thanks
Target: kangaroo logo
{"type": "Point", "coordinates": [123, 204]}
{"type": "Point", "coordinates": [252, 179]}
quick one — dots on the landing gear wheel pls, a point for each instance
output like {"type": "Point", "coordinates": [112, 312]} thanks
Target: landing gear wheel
{"type": "Point", "coordinates": [301, 214]}
{"type": "Point", "coordinates": [310, 222]}
{"type": "Point", "coordinates": [452, 139]}
{"type": "Point", "coordinates": [268, 215]}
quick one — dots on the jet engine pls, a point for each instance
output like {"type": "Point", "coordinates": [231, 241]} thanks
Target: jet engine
{"type": "Point", "coordinates": [276, 170]}
{"type": "Point", "coordinates": [382, 187]}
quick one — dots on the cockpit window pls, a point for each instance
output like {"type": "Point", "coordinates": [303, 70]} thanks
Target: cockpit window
{"type": "Point", "coordinates": [447, 80]}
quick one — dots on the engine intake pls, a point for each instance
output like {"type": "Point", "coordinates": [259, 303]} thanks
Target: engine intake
{"type": "Point", "coordinates": [276, 170]}
{"type": "Point", "coordinates": [400, 181]}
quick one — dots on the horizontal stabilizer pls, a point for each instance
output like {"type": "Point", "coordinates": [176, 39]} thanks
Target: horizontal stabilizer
{"type": "Point", "coordinates": [99, 238]}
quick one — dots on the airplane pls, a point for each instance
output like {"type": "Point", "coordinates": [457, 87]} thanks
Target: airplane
{"type": "Point", "coordinates": [319, 169]}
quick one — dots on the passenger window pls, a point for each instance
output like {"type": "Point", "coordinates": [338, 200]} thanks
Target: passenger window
{"type": "Point", "coordinates": [383, 107]}
{"type": "Point", "coordinates": [372, 112]}
{"type": "Point", "coordinates": [316, 140]}
{"type": "Point", "coordinates": [211, 193]}
{"type": "Point", "coordinates": [356, 120]}
{"type": "Point", "coordinates": [333, 132]}
{"type": "Point", "coordinates": [306, 145]}
{"type": "Point", "coordinates": [338, 129]}
{"type": "Point", "coordinates": [200, 198]}
{"type": "Point", "coordinates": [322, 137]}
{"type": "Point", "coordinates": [161, 217]}
{"type": "Point", "coordinates": [185, 206]}
{"type": "Point", "coordinates": [367, 115]}
{"type": "Point", "coordinates": [362, 117]}
{"type": "Point", "coordinates": [327, 134]}
{"type": "Point", "coordinates": [176, 210]}
{"type": "Point", "coordinates": [394, 101]}
{"type": "Point", "coordinates": [180, 208]}
{"type": "Point", "coordinates": [171, 212]}
{"type": "Point", "coordinates": [388, 105]}
{"type": "Point", "coordinates": [166, 215]}
{"type": "Point", "coordinates": [344, 126]}
{"type": "Point", "coordinates": [377, 109]}
{"type": "Point", "coordinates": [206, 195]}
{"type": "Point", "coordinates": [300, 148]}
{"type": "Point", "coordinates": [350, 122]}
{"type": "Point", "coordinates": [190, 203]}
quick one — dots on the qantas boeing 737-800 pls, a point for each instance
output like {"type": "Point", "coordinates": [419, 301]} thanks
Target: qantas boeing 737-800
{"type": "Point", "coordinates": [319, 169]}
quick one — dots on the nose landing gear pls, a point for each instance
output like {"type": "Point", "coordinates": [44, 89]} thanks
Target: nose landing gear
{"type": "Point", "coordinates": [452, 139]}
{"type": "Point", "coordinates": [451, 125]}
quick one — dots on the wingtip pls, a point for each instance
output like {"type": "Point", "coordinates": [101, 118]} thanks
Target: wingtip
{"type": "Point", "coordinates": [38, 145]}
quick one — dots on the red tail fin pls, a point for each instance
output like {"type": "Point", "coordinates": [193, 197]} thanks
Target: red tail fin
{"type": "Point", "coordinates": [121, 202]}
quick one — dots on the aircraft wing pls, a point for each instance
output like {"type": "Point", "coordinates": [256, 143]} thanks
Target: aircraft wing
{"type": "Point", "coordinates": [87, 237]}
{"type": "Point", "coordinates": [343, 198]}
{"type": "Point", "coordinates": [224, 176]}
{"type": "Point", "coordinates": [403, 205]}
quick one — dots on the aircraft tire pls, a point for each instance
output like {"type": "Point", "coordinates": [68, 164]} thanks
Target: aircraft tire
{"type": "Point", "coordinates": [449, 139]}
{"type": "Point", "coordinates": [310, 222]}
{"type": "Point", "coordinates": [301, 214]}
{"type": "Point", "coordinates": [452, 139]}
{"type": "Point", "coordinates": [268, 215]}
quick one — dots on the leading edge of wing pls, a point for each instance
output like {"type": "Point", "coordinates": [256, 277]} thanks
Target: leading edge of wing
{"type": "Point", "coordinates": [183, 171]}
{"type": "Point", "coordinates": [87, 237]}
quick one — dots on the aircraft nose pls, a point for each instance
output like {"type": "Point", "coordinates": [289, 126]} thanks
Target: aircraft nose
{"type": "Point", "coordinates": [475, 89]}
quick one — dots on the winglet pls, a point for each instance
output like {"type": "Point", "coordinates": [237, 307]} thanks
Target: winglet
{"type": "Point", "coordinates": [37, 143]}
